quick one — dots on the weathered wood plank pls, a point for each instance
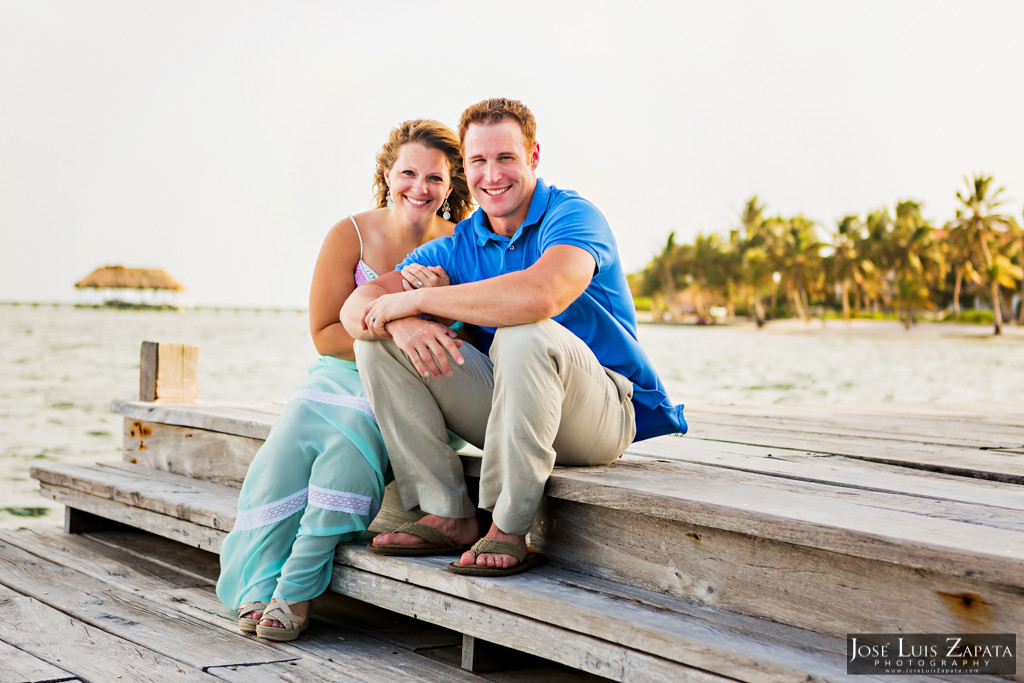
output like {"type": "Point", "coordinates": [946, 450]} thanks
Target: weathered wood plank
{"type": "Point", "coordinates": [891, 528]}
{"type": "Point", "coordinates": [132, 568]}
{"type": "Point", "coordinates": [923, 418]}
{"type": "Point", "coordinates": [326, 652]}
{"type": "Point", "coordinates": [991, 465]}
{"type": "Point", "coordinates": [832, 469]}
{"type": "Point", "coordinates": [189, 451]}
{"type": "Point", "coordinates": [253, 421]}
{"type": "Point", "coordinates": [685, 632]}
{"type": "Point", "coordinates": [190, 533]}
{"type": "Point", "coordinates": [125, 614]}
{"type": "Point", "coordinates": [751, 575]}
{"type": "Point", "coordinates": [181, 497]}
{"type": "Point", "coordinates": [727, 573]}
{"type": "Point", "coordinates": [394, 629]}
{"type": "Point", "coordinates": [577, 650]}
{"type": "Point", "coordinates": [576, 616]}
{"type": "Point", "coordinates": [23, 667]}
{"type": "Point", "coordinates": [961, 431]}
{"type": "Point", "coordinates": [804, 586]}
{"type": "Point", "coordinates": [202, 566]}
{"type": "Point", "coordinates": [88, 651]}
{"type": "Point", "coordinates": [983, 464]}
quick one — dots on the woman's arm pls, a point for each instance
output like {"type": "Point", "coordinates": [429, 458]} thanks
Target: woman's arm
{"type": "Point", "coordinates": [428, 344]}
{"type": "Point", "coordinates": [352, 309]}
{"type": "Point", "coordinates": [333, 283]}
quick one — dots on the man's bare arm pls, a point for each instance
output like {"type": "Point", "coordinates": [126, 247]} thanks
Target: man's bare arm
{"type": "Point", "coordinates": [542, 291]}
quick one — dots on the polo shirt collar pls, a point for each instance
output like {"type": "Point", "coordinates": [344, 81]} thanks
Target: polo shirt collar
{"type": "Point", "coordinates": [538, 206]}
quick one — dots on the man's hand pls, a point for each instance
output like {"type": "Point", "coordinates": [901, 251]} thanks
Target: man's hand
{"type": "Point", "coordinates": [427, 344]}
{"type": "Point", "coordinates": [386, 308]}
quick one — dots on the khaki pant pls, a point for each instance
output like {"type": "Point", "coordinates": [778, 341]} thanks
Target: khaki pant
{"type": "Point", "coordinates": [540, 399]}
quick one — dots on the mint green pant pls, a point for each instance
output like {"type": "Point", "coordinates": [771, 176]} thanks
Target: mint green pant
{"type": "Point", "coordinates": [317, 481]}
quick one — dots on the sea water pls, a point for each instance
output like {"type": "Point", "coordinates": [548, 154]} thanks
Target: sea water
{"type": "Point", "coordinates": [60, 367]}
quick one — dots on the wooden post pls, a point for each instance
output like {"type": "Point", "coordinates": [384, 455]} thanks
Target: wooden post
{"type": "Point", "coordinates": [482, 655]}
{"type": "Point", "coordinates": [169, 372]}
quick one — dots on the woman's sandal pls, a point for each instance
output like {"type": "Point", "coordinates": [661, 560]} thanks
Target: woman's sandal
{"type": "Point", "coordinates": [279, 610]}
{"type": "Point", "coordinates": [249, 625]}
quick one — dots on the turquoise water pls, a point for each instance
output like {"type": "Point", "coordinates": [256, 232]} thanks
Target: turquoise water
{"type": "Point", "coordinates": [62, 366]}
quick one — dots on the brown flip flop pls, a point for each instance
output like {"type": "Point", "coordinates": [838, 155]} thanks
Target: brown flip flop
{"type": "Point", "coordinates": [435, 543]}
{"type": "Point", "coordinates": [527, 560]}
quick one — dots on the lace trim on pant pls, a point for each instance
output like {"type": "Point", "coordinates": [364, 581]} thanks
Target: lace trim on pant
{"type": "Point", "coordinates": [271, 513]}
{"type": "Point", "coordinates": [342, 501]}
{"type": "Point", "coordinates": [356, 402]}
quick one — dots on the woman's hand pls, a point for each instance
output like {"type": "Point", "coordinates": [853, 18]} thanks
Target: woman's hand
{"type": "Point", "coordinates": [417, 276]}
{"type": "Point", "coordinates": [428, 345]}
{"type": "Point", "coordinates": [386, 308]}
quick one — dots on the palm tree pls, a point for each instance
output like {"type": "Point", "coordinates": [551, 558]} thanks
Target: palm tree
{"type": "Point", "coordinates": [1019, 249]}
{"type": "Point", "coordinates": [960, 245]}
{"type": "Point", "coordinates": [849, 264]}
{"type": "Point", "coordinates": [874, 248]}
{"type": "Point", "coordinates": [916, 261]}
{"type": "Point", "coordinates": [752, 243]}
{"type": "Point", "coordinates": [984, 232]}
{"type": "Point", "coordinates": [802, 268]}
{"type": "Point", "coordinates": [659, 277]}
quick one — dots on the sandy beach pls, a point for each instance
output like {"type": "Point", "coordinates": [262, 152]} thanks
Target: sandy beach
{"type": "Point", "coordinates": [61, 367]}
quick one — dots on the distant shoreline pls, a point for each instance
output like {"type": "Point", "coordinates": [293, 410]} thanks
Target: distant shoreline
{"type": "Point", "coordinates": [789, 325]}
{"type": "Point", "coordinates": [180, 309]}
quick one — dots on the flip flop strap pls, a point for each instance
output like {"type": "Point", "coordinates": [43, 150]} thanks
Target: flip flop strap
{"type": "Point", "coordinates": [427, 533]}
{"type": "Point", "coordinates": [486, 545]}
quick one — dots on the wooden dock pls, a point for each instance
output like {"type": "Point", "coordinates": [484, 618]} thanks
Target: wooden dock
{"type": "Point", "coordinates": [745, 551]}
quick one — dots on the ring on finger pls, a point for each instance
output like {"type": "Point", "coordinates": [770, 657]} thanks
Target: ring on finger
{"type": "Point", "coordinates": [419, 283]}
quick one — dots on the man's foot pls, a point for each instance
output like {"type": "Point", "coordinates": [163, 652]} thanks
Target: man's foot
{"type": "Point", "coordinates": [461, 531]}
{"type": "Point", "coordinates": [496, 560]}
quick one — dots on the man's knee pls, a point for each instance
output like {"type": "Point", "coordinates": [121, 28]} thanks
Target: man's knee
{"type": "Point", "coordinates": [370, 354]}
{"type": "Point", "coordinates": [521, 341]}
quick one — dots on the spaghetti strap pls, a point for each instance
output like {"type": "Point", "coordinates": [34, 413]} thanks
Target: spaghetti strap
{"type": "Point", "coordinates": [353, 219]}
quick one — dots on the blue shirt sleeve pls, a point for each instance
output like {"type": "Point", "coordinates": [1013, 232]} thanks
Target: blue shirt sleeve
{"type": "Point", "coordinates": [437, 252]}
{"type": "Point", "coordinates": [578, 223]}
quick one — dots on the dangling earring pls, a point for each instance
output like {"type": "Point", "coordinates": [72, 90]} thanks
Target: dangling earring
{"type": "Point", "coordinates": [387, 197]}
{"type": "Point", "coordinates": [446, 211]}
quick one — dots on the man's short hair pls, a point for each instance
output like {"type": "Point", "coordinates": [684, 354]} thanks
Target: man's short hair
{"type": "Point", "coordinates": [496, 110]}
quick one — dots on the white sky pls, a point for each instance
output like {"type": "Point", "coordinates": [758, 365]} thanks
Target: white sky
{"type": "Point", "coordinates": [220, 140]}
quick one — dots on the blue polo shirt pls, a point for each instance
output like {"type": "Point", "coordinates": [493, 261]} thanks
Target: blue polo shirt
{"type": "Point", "coordinates": [603, 316]}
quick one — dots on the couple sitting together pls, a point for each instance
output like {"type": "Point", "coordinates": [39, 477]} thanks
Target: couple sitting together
{"type": "Point", "coordinates": [514, 330]}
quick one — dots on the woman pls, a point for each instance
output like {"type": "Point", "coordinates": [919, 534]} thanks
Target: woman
{"type": "Point", "coordinates": [320, 477]}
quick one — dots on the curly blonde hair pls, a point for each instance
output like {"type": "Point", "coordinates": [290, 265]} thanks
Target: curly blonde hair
{"type": "Point", "coordinates": [434, 135]}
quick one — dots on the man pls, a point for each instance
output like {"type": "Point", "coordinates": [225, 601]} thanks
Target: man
{"type": "Point", "coordinates": [558, 378]}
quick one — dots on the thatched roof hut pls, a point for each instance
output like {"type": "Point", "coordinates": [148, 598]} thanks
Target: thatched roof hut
{"type": "Point", "coordinates": [120, 287]}
{"type": "Point", "coordinates": [119, 277]}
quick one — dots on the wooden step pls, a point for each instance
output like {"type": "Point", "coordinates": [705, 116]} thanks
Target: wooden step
{"type": "Point", "coordinates": [585, 622]}
{"type": "Point", "coordinates": [126, 605]}
{"type": "Point", "coordinates": [833, 543]}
